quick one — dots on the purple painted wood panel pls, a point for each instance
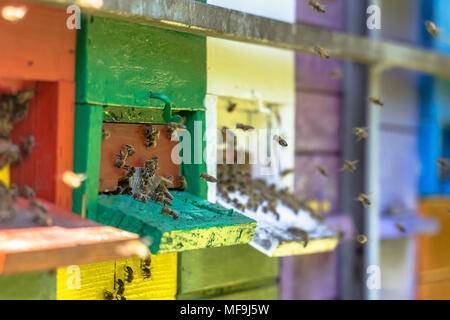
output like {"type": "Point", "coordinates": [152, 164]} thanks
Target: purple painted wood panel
{"type": "Point", "coordinates": [312, 72]}
{"type": "Point", "coordinates": [310, 185]}
{"type": "Point", "coordinates": [317, 122]}
{"type": "Point", "coordinates": [332, 19]}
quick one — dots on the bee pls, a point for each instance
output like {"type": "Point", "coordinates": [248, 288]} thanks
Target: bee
{"type": "Point", "coordinates": [165, 211]}
{"type": "Point", "coordinates": [336, 74]}
{"type": "Point", "coordinates": [322, 171]}
{"type": "Point", "coordinates": [432, 28]}
{"type": "Point", "coordinates": [42, 218]}
{"type": "Point", "coordinates": [146, 272]}
{"type": "Point", "coordinates": [376, 101]}
{"type": "Point", "coordinates": [121, 159]}
{"type": "Point", "coordinates": [107, 295]}
{"type": "Point", "coordinates": [400, 227]}
{"type": "Point", "coordinates": [301, 233]}
{"type": "Point", "coordinates": [321, 52]}
{"type": "Point", "coordinates": [130, 151]}
{"type": "Point", "coordinates": [364, 199]}
{"type": "Point", "coordinates": [120, 287]}
{"type": "Point", "coordinates": [131, 171]}
{"type": "Point", "coordinates": [244, 127]}
{"type": "Point", "coordinates": [182, 183]}
{"type": "Point", "coordinates": [105, 134]}
{"type": "Point", "coordinates": [129, 274]}
{"type": "Point", "coordinates": [72, 179]}
{"type": "Point", "coordinates": [207, 177]}
{"type": "Point", "coordinates": [361, 238]}
{"type": "Point", "coordinates": [286, 172]}
{"type": "Point", "coordinates": [146, 262]}
{"type": "Point", "coordinates": [360, 133]}
{"type": "Point", "coordinates": [231, 106]}
{"type": "Point", "coordinates": [316, 6]}
{"type": "Point", "coordinates": [151, 133]}
{"type": "Point", "coordinates": [27, 192]}
{"type": "Point", "coordinates": [280, 140]}
{"type": "Point", "coordinates": [349, 165]}
{"type": "Point", "coordinates": [443, 163]}
{"type": "Point", "coordinates": [172, 127]}
{"type": "Point", "coordinates": [27, 145]}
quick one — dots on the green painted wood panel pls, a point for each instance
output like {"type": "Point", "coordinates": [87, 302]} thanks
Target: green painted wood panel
{"type": "Point", "coordinates": [119, 63]}
{"type": "Point", "coordinates": [87, 147]}
{"type": "Point", "coordinates": [28, 286]}
{"type": "Point", "coordinates": [218, 271]}
{"type": "Point", "coordinates": [269, 292]}
{"type": "Point", "coordinates": [200, 223]}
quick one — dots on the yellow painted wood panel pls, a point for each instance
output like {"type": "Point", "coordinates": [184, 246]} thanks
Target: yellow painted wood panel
{"type": "Point", "coordinates": [94, 278]}
{"type": "Point", "coordinates": [4, 175]}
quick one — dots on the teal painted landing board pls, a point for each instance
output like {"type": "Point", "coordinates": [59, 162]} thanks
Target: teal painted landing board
{"type": "Point", "coordinates": [200, 224]}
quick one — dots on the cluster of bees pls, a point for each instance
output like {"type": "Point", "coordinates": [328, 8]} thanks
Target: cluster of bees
{"type": "Point", "coordinates": [14, 108]}
{"type": "Point", "coordinates": [119, 284]}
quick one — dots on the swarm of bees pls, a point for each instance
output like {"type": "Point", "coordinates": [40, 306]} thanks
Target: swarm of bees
{"type": "Point", "coordinates": [322, 171]}
{"type": "Point", "coordinates": [376, 101]}
{"type": "Point", "coordinates": [231, 106]}
{"type": "Point", "coordinates": [316, 6]}
{"type": "Point", "coordinates": [364, 199]}
{"type": "Point", "coordinates": [321, 52]}
{"type": "Point", "coordinates": [280, 141]}
{"type": "Point", "coordinates": [151, 134]}
{"type": "Point", "coordinates": [232, 178]}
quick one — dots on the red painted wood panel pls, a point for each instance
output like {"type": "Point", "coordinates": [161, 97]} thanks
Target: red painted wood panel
{"type": "Point", "coordinates": [51, 121]}
{"type": "Point", "coordinates": [312, 72]}
{"type": "Point", "coordinates": [38, 47]}
{"type": "Point", "coordinates": [317, 122]}
{"type": "Point", "coordinates": [332, 19]}
{"type": "Point", "coordinates": [311, 185]}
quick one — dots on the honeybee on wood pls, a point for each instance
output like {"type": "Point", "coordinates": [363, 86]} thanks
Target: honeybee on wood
{"type": "Point", "coordinates": [321, 52]}
{"type": "Point", "coordinates": [121, 159]}
{"type": "Point", "coordinates": [207, 177]}
{"type": "Point", "coordinates": [107, 295]}
{"type": "Point", "coordinates": [231, 106]}
{"type": "Point", "coordinates": [400, 227]}
{"type": "Point", "coordinates": [443, 163]}
{"type": "Point", "coordinates": [364, 199]}
{"type": "Point", "coordinates": [27, 145]}
{"type": "Point", "coordinates": [376, 101]}
{"type": "Point", "coordinates": [280, 141]}
{"type": "Point", "coordinates": [105, 134]}
{"type": "Point", "coordinates": [151, 133]}
{"type": "Point", "coordinates": [301, 233]}
{"type": "Point", "coordinates": [182, 183]}
{"type": "Point", "coordinates": [432, 28]}
{"type": "Point", "coordinates": [130, 151]}
{"type": "Point", "coordinates": [27, 192]}
{"type": "Point", "coordinates": [41, 217]}
{"type": "Point", "coordinates": [120, 287]}
{"type": "Point", "coordinates": [349, 165]}
{"type": "Point", "coordinates": [322, 171]}
{"type": "Point", "coordinates": [336, 74]}
{"type": "Point", "coordinates": [165, 211]}
{"type": "Point", "coordinates": [286, 172]}
{"type": "Point", "coordinates": [244, 127]}
{"type": "Point", "coordinates": [360, 133]}
{"type": "Point", "coordinates": [316, 6]}
{"type": "Point", "coordinates": [361, 238]}
{"type": "Point", "coordinates": [129, 274]}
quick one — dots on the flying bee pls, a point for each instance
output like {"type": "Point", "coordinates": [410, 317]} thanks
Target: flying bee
{"type": "Point", "coordinates": [182, 183]}
{"type": "Point", "coordinates": [443, 163]}
{"type": "Point", "coordinates": [27, 145]}
{"type": "Point", "coordinates": [301, 233]}
{"type": "Point", "coordinates": [130, 150]}
{"type": "Point", "coordinates": [360, 133]}
{"type": "Point", "coordinates": [432, 28]}
{"type": "Point", "coordinates": [349, 165]}
{"type": "Point", "coordinates": [322, 171]}
{"type": "Point", "coordinates": [316, 6]}
{"type": "Point", "coordinates": [364, 199]}
{"type": "Point", "coordinates": [400, 227]}
{"type": "Point", "coordinates": [27, 192]}
{"type": "Point", "coordinates": [120, 287]}
{"type": "Point", "coordinates": [165, 211]}
{"type": "Point", "coordinates": [244, 127]}
{"type": "Point", "coordinates": [129, 274]}
{"type": "Point", "coordinates": [231, 106]}
{"type": "Point", "coordinates": [72, 179]}
{"type": "Point", "coordinates": [361, 238]}
{"type": "Point", "coordinates": [107, 295]}
{"type": "Point", "coordinates": [207, 177]}
{"type": "Point", "coordinates": [121, 159]}
{"type": "Point", "coordinates": [280, 141]}
{"type": "Point", "coordinates": [131, 171]}
{"type": "Point", "coordinates": [321, 52]}
{"type": "Point", "coordinates": [376, 101]}
{"type": "Point", "coordinates": [336, 74]}
{"type": "Point", "coordinates": [286, 172]}
{"type": "Point", "coordinates": [105, 134]}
